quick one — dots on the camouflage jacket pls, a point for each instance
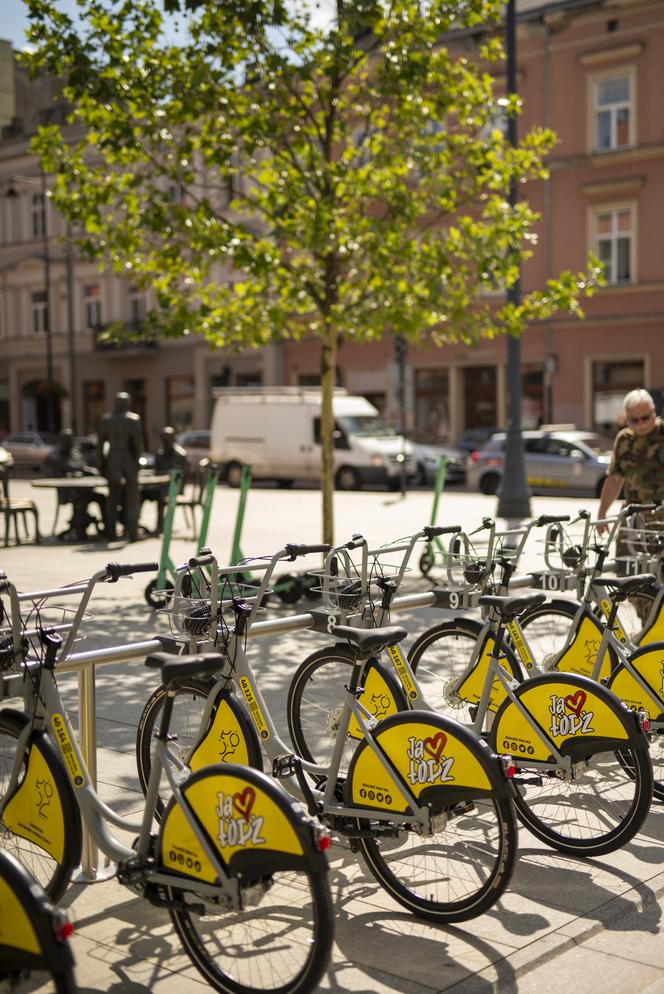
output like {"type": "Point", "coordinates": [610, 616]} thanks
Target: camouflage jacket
{"type": "Point", "coordinates": [640, 461]}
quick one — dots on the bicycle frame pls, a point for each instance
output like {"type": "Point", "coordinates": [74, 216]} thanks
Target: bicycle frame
{"type": "Point", "coordinates": [94, 812]}
{"type": "Point", "coordinates": [237, 670]}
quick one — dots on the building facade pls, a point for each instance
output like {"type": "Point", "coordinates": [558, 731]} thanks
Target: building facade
{"type": "Point", "coordinates": [592, 70]}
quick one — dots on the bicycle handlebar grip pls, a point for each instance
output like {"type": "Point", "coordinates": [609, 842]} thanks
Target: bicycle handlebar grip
{"type": "Point", "coordinates": [551, 519]}
{"type": "Point", "coordinates": [294, 551]}
{"type": "Point", "coordinates": [205, 560]}
{"type": "Point", "coordinates": [116, 570]}
{"type": "Point", "coordinates": [356, 542]}
{"type": "Point", "coordinates": [433, 531]}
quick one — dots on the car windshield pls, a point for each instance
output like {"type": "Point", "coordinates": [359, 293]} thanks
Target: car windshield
{"type": "Point", "coordinates": [365, 424]}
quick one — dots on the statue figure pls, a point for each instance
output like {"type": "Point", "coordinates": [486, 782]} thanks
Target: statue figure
{"type": "Point", "coordinates": [119, 449]}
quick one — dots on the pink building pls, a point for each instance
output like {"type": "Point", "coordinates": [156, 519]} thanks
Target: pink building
{"type": "Point", "coordinates": [593, 70]}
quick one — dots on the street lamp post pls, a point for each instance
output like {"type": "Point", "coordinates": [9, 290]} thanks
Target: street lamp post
{"type": "Point", "coordinates": [514, 496]}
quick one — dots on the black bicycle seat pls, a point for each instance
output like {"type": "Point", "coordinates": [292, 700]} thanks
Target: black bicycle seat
{"type": "Point", "coordinates": [175, 669]}
{"type": "Point", "coordinates": [370, 639]}
{"type": "Point", "coordinates": [625, 586]}
{"type": "Point", "coordinates": [511, 607]}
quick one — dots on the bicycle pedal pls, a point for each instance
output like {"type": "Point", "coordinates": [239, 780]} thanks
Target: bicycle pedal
{"type": "Point", "coordinates": [528, 781]}
{"type": "Point", "coordinates": [464, 808]}
{"type": "Point", "coordinates": [284, 766]}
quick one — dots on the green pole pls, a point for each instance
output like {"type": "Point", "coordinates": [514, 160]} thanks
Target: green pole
{"type": "Point", "coordinates": [438, 489]}
{"type": "Point", "coordinates": [427, 559]}
{"type": "Point", "coordinates": [245, 483]}
{"type": "Point", "coordinates": [210, 489]}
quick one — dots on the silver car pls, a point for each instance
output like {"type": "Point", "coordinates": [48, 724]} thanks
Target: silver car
{"type": "Point", "coordinates": [563, 462]}
{"type": "Point", "coordinates": [30, 449]}
{"type": "Point", "coordinates": [197, 446]}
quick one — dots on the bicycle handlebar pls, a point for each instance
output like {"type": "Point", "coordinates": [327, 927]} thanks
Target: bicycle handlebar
{"type": "Point", "coordinates": [550, 519]}
{"type": "Point", "coordinates": [433, 531]}
{"type": "Point", "coordinates": [295, 551]}
{"type": "Point", "coordinates": [115, 570]}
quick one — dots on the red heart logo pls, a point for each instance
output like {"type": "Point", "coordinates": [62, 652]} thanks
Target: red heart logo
{"type": "Point", "coordinates": [575, 702]}
{"type": "Point", "coordinates": [244, 802]}
{"type": "Point", "coordinates": [435, 745]}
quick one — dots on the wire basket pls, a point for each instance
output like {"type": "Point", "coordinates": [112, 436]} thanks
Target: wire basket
{"type": "Point", "coordinates": [642, 537]}
{"type": "Point", "coordinates": [202, 617]}
{"type": "Point", "coordinates": [467, 561]}
{"type": "Point", "coordinates": [37, 617]}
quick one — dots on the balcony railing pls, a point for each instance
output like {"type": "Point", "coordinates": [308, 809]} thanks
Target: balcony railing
{"type": "Point", "coordinates": [119, 337]}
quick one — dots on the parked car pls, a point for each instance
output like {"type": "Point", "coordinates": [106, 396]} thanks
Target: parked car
{"type": "Point", "coordinates": [428, 448]}
{"type": "Point", "coordinates": [30, 449]}
{"type": "Point", "coordinates": [474, 438]}
{"type": "Point", "coordinates": [197, 446]}
{"type": "Point", "coordinates": [6, 459]}
{"type": "Point", "coordinates": [570, 461]}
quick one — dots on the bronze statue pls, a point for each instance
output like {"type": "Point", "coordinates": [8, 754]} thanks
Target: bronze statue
{"type": "Point", "coordinates": [119, 450]}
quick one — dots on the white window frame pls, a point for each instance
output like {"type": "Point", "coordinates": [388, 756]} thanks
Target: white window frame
{"type": "Point", "coordinates": [594, 239]}
{"type": "Point", "coordinates": [594, 80]}
{"type": "Point", "coordinates": [138, 305]}
{"type": "Point", "coordinates": [38, 215]}
{"type": "Point", "coordinates": [92, 306]}
{"type": "Point", "coordinates": [38, 312]}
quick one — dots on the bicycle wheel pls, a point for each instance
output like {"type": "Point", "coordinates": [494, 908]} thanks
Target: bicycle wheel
{"type": "Point", "coordinates": [596, 811]}
{"type": "Point", "coordinates": [455, 874]}
{"type": "Point", "coordinates": [51, 873]}
{"type": "Point", "coordinates": [440, 656]}
{"type": "Point", "coordinates": [190, 701]}
{"type": "Point", "coordinates": [280, 946]}
{"type": "Point", "coordinates": [316, 699]}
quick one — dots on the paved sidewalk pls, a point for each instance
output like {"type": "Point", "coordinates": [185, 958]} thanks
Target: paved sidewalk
{"type": "Point", "coordinates": [562, 920]}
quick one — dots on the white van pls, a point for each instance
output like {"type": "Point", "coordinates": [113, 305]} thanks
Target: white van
{"type": "Point", "coordinates": [276, 430]}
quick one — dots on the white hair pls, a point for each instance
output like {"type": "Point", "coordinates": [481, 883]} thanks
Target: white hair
{"type": "Point", "coordinates": [636, 397]}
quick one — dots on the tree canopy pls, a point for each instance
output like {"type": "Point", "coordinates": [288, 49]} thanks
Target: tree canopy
{"type": "Point", "coordinates": [272, 175]}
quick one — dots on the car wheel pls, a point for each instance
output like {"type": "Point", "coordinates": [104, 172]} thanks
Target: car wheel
{"type": "Point", "coordinates": [489, 483]}
{"type": "Point", "coordinates": [347, 478]}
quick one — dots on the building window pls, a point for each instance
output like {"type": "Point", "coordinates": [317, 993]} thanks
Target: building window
{"type": "Point", "coordinates": [611, 381]}
{"type": "Point", "coordinates": [614, 243]}
{"type": "Point", "coordinates": [613, 112]}
{"type": "Point", "coordinates": [180, 402]}
{"type": "Point", "coordinates": [92, 306]}
{"type": "Point", "coordinates": [38, 215]}
{"type": "Point", "coordinates": [137, 306]}
{"type": "Point", "coordinates": [39, 311]}
{"type": "Point", "coordinates": [432, 402]}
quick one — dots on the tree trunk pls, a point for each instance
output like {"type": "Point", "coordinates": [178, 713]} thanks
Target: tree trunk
{"type": "Point", "coordinates": [328, 376]}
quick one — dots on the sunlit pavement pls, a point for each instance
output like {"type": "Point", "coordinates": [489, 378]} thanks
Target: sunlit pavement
{"type": "Point", "coordinates": [562, 920]}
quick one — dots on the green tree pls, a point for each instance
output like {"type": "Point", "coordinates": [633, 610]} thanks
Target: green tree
{"type": "Point", "coordinates": [343, 180]}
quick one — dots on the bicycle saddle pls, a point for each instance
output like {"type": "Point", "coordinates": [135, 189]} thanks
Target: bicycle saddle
{"type": "Point", "coordinates": [626, 586]}
{"type": "Point", "coordinates": [370, 639]}
{"type": "Point", "coordinates": [511, 607]}
{"type": "Point", "coordinates": [176, 669]}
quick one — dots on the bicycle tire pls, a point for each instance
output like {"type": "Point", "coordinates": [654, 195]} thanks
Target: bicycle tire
{"type": "Point", "coordinates": [484, 849]}
{"type": "Point", "coordinates": [440, 655]}
{"type": "Point", "coordinates": [52, 875]}
{"type": "Point", "coordinates": [185, 724]}
{"type": "Point", "coordinates": [600, 810]}
{"type": "Point", "coordinates": [288, 935]}
{"type": "Point", "coordinates": [316, 698]}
